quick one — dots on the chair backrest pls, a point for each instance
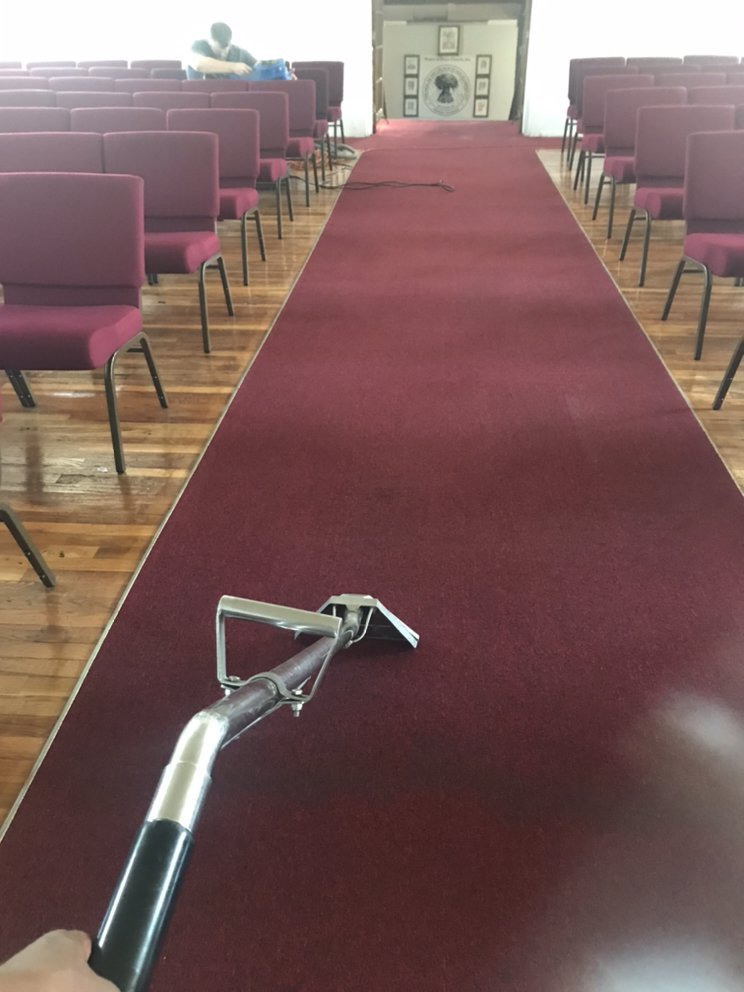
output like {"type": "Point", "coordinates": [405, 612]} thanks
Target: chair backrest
{"type": "Point", "coordinates": [214, 85]}
{"type": "Point", "coordinates": [170, 99]}
{"type": "Point", "coordinates": [77, 239]}
{"type": "Point", "coordinates": [320, 78]}
{"type": "Point", "coordinates": [577, 70]}
{"type": "Point", "coordinates": [621, 113]}
{"type": "Point", "coordinates": [585, 71]}
{"type": "Point", "coordinates": [335, 77]}
{"type": "Point", "coordinates": [105, 119]}
{"type": "Point", "coordinates": [57, 72]}
{"type": "Point", "coordinates": [301, 95]}
{"type": "Point", "coordinates": [706, 60]}
{"type": "Point", "coordinates": [597, 87]}
{"type": "Point", "coordinates": [181, 174]}
{"type": "Point", "coordinates": [168, 73]}
{"type": "Point", "coordinates": [714, 181]}
{"type": "Point", "coordinates": [79, 83]}
{"type": "Point", "coordinates": [10, 65]}
{"type": "Point", "coordinates": [119, 73]}
{"type": "Point", "coordinates": [237, 135]}
{"type": "Point", "coordinates": [273, 109]}
{"type": "Point", "coordinates": [71, 98]}
{"type": "Point", "coordinates": [94, 63]}
{"type": "Point", "coordinates": [145, 85]}
{"type": "Point", "coordinates": [53, 151]}
{"type": "Point", "coordinates": [30, 98]}
{"type": "Point", "coordinates": [735, 76]}
{"type": "Point", "coordinates": [649, 63]}
{"type": "Point", "coordinates": [23, 82]}
{"type": "Point", "coordinates": [717, 94]}
{"type": "Point", "coordinates": [63, 64]}
{"type": "Point", "coordinates": [155, 64]}
{"type": "Point", "coordinates": [14, 119]}
{"type": "Point", "coordinates": [690, 78]}
{"type": "Point", "coordinates": [661, 139]}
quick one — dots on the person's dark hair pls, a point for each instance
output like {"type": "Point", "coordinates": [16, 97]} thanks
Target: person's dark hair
{"type": "Point", "coordinates": [221, 33]}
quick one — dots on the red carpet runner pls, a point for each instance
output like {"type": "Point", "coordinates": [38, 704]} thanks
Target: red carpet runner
{"type": "Point", "coordinates": [455, 413]}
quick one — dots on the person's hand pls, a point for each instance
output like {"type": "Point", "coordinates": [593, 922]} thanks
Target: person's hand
{"type": "Point", "coordinates": [241, 68]}
{"type": "Point", "coordinates": [56, 962]}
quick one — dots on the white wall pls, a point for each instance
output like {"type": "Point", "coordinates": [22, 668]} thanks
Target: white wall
{"type": "Point", "coordinates": [583, 28]}
{"type": "Point", "coordinates": [293, 29]}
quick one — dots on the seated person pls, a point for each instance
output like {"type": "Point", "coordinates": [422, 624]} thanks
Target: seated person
{"type": "Point", "coordinates": [217, 58]}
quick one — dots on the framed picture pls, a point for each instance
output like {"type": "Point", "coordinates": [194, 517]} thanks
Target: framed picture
{"type": "Point", "coordinates": [410, 86]}
{"type": "Point", "coordinates": [410, 65]}
{"type": "Point", "coordinates": [410, 106]}
{"type": "Point", "coordinates": [449, 39]}
{"type": "Point", "coordinates": [482, 85]}
{"type": "Point", "coordinates": [483, 65]}
{"type": "Point", "coordinates": [480, 107]}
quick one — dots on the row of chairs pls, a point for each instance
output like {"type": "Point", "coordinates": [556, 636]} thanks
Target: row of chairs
{"type": "Point", "coordinates": [116, 68]}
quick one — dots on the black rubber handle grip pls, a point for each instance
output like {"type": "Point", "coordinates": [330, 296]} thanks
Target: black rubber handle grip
{"type": "Point", "coordinates": [128, 940]}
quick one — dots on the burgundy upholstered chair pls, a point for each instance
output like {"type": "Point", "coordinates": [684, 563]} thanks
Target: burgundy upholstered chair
{"type": "Point", "coordinates": [321, 132]}
{"type": "Point", "coordinates": [590, 127]}
{"type": "Point", "coordinates": [175, 74]}
{"type": "Point", "coordinates": [104, 119]}
{"type": "Point", "coordinates": [91, 63]}
{"type": "Point", "coordinates": [621, 113]}
{"type": "Point", "coordinates": [651, 63]}
{"type": "Point", "coordinates": [708, 60]}
{"type": "Point", "coordinates": [34, 119]}
{"type": "Point", "coordinates": [237, 133]}
{"type": "Point", "coordinates": [52, 151]}
{"type": "Point", "coordinates": [117, 73]}
{"type": "Point", "coordinates": [60, 64]}
{"type": "Point", "coordinates": [58, 72]}
{"type": "Point", "coordinates": [688, 78]}
{"type": "Point", "coordinates": [10, 65]}
{"type": "Point", "coordinates": [80, 83]}
{"type": "Point", "coordinates": [145, 85]}
{"type": "Point", "coordinates": [335, 93]}
{"type": "Point", "coordinates": [155, 64]}
{"type": "Point", "coordinates": [12, 71]}
{"type": "Point", "coordinates": [728, 376]}
{"type": "Point", "coordinates": [23, 83]}
{"type": "Point", "coordinates": [73, 98]}
{"type": "Point", "coordinates": [714, 216]}
{"type": "Point", "coordinates": [273, 109]}
{"type": "Point", "coordinates": [71, 276]}
{"type": "Point", "coordinates": [170, 100]}
{"type": "Point", "coordinates": [182, 203]}
{"type": "Point", "coordinates": [661, 148]}
{"type": "Point", "coordinates": [728, 94]}
{"type": "Point", "coordinates": [29, 98]}
{"type": "Point", "coordinates": [577, 69]}
{"type": "Point", "coordinates": [214, 85]}
{"type": "Point", "coordinates": [301, 147]}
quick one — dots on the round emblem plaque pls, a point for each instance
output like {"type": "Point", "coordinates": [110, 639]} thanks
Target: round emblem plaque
{"type": "Point", "coordinates": [446, 89]}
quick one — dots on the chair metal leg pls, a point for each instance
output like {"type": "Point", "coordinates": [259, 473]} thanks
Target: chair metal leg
{"type": "Point", "coordinates": [598, 197]}
{"type": "Point", "coordinates": [260, 234]}
{"type": "Point", "coordinates": [588, 176]}
{"type": "Point", "coordinates": [328, 148]}
{"type": "Point", "coordinates": [244, 247]}
{"type": "Point", "coordinates": [703, 320]}
{"type": "Point", "coordinates": [142, 347]}
{"type": "Point", "coordinates": [322, 160]}
{"type": "Point", "coordinates": [728, 377]}
{"type": "Point", "coordinates": [27, 546]}
{"type": "Point", "coordinates": [288, 191]}
{"type": "Point", "coordinates": [565, 135]}
{"type": "Point", "coordinates": [204, 313]}
{"type": "Point", "coordinates": [644, 253]}
{"type": "Point", "coordinates": [579, 169]}
{"type": "Point", "coordinates": [628, 231]}
{"type": "Point", "coordinates": [315, 173]}
{"type": "Point", "coordinates": [113, 413]}
{"type": "Point", "coordinates": [225, 284]}
{"type": "Point", "coordinates": [611, 217]}
{"type": "Point", "coordinates": [306, 164]}
{"type": "Point", "coordinates": [673, 288]}
{"type": "Point", "coordinates": [21, 387]}
{"type": "Point", "coordinates": [278, 196]}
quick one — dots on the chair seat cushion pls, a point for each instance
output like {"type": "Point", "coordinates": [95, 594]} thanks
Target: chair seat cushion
{"type": "Point", "coordinates": [334, 113]}
{"type": "Point", "coordinates": [39, 338]}
{"type": "Point", "coordinates": [272, 169]}
{"type": "Point", "coordinates": [660, 202]}
{"type": "Point", "coordinates": [321, 127]}
{"type": "Point", "coordinates": [178, 251]}
{"type": "Point", "coordinates": [593, 143]}
{"type": "Point", "coordinates": [621, 168]}
{"type": "Point", "coordinates": [300, 147]}
{"type": "Point", "coordinates": [236, 202]}
{"type": "Point", "coordinates": [723, 254]}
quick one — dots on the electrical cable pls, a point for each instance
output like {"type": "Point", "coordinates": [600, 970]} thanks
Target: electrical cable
{"type": "Point", "coordinates": [389, 184]}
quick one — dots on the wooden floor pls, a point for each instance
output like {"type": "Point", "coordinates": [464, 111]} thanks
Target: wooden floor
{"type": "Point", "coordinates": [93, 527]}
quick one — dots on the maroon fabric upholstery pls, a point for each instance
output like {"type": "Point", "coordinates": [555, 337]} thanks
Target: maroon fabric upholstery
{"type": "Point", "coordinates": [179, 251]}
{"type": "Point", "coordinates": [274, 112]}
{"type": "Point", "coordinates": [105, 119]}
{"type": "Point", "coordinates": [55, 151]}
{"type": "Point", "coordinates": [688, 78]}
{"type": "Point", "coordinates": [621, 113]}
{"type": "Point", "coordinates": [714, 184]}
{"type": "Point", "coordinates": [144, 85]}
{"type": "Point", "coordinates": [335, 77]}
{"type": "Point", "coordinates": [115, 73]}
{"type": "Point", "coordinates": [23, 82]}
{"type": "Point", "coordinates": [661, 140]}
{"type": "Point", "coordinates": [170, 100]}
{"type": "Point", "coordinates": [272, 169]}
{"type": "Point", "coordinates": [660, 202]}
{"type": "Point", "coordinates": [739, 118]}
{"type": "Point", "coordinates": [578, 68]}
{"type": "Point", "coordinates": [593, 142]}
{"type": "Point", "coordinates": [707, 60]}
{"type": "Point", "coordinates": [53, 70]}
{"type": "Point", "coordinates": [301, 94]}
{"type": "Point", "coordinates": [64, 250]}
{"type": "Point", "coordinates": [301, 147]}
{"type": "Point", "coordinates": [11, 65]}
{"type": "Point", "coordinates": [648, 63]}
{"type": "Point", "coordinates": [63, 64]}
{"type": "Point", "coordinates": [729, 94]}
{"type": "Point", "coordinates": [237, 133]}
{"type": "Point", "coordinates": [27, 98]}
{"type": "Point", "coordinates": [214, 85]}
{"type": "Point", "coordinates": [91, 63]}
{"type": "Point", "coordinates": [234, 202]}
{"type": "Point", "coordinates": [168, 74]}
{"type": "Point", "coordinates": [34, 119]}
{"type": "Point", "coordinates": [620, 168]}
{"type": "Point", "coordinates": [321, 79]}
{"type": "Point", "coordinates": [80, 83]}
{"type": "Point", "coordinates": [72, 98]}
{"type": "Point", "coordinates": [595, 90]}
{"type": "Point", "coordinates": [155, 64]}
{"type": "Point", "coordinates": [6, 70]}
{"type": "Point", "coordinates": [723, 254]}
{"type": "Point", "coordinates": [64, 337]}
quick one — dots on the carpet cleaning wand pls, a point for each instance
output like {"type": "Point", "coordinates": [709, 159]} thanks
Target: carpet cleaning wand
{"type": "Point", "coordinates": [126, 948]}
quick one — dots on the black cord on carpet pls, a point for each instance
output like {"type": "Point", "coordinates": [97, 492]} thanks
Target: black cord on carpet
{"type": "Point", "coordinates": [389, 184]}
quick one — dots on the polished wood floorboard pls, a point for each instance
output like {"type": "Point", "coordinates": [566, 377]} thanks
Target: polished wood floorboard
{"type": "Point", "coordinates": [94, 527]}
